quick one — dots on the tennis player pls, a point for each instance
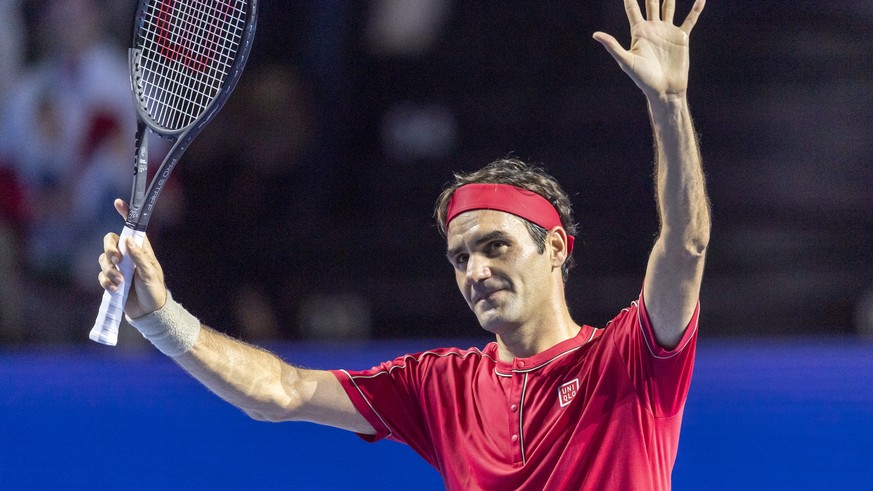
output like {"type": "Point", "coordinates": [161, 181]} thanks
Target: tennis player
{"type": "Point", "coordinates": [550, 404]}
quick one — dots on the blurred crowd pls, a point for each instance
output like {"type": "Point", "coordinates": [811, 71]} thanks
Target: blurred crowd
{"type": "Point", "coordinates": [266, 171]}
{"type": "Point", "coordinates": [65, 130]}
{"type": "Point", "coordinates": [304, 209]}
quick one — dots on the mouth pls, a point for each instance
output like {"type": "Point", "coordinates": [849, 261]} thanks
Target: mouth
{"type": "Point", "coordinates": [479, 297]}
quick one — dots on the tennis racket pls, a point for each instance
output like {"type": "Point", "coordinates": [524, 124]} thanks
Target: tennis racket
{"type": "Point", "coordinates": [187, 57]}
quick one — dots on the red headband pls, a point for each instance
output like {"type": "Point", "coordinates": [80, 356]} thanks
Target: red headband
{"type": "Point", "coordinates": [510, 199]}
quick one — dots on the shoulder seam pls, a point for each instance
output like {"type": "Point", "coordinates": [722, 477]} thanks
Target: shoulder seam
{"type": "Point", "coordinates": [420, 356]}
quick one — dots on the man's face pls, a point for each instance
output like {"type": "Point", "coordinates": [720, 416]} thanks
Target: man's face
{"type": "Point", "coordinates": [500, 272]}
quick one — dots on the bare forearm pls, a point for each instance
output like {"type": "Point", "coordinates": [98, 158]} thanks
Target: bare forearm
{"type": "Point", "coordinates": [254, 380]}
{"type": "Point", "coordinates": [267, 388]}
{"type": "Point", "coordinates": [683, 204]}
{"type": "Point", "coordinates": [675, 266]}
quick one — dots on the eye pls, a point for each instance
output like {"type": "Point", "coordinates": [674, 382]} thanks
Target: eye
{"type": "Point", "coordinates": [460, 261]}
{"type": "Point", "coordinates": [496, 246]}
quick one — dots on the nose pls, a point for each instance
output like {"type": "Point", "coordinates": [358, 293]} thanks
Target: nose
{"type": "Point", "coordinates": [477, 268]}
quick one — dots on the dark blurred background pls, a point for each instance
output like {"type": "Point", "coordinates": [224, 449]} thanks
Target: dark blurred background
{"type": "Point", "coordinates": [302, 216]}
{"type": "Point", "coordinates": [304, 210]}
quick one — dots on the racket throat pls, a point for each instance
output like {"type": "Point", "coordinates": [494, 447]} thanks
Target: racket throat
{"type": "Point", "coordinates": [140, 178]}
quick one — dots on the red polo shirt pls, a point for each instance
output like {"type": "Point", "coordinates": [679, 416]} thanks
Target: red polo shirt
{"type": "Point", "coordinates": [599, 411]}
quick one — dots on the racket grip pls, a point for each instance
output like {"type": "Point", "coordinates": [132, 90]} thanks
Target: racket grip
{"type": "Point", "coordinates": [105, 330]}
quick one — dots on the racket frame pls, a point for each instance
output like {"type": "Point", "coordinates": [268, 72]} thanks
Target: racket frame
{"type": "Point", "coordinates": [144, 197]}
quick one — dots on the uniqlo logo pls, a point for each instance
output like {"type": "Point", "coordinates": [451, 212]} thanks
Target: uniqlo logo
{"type": "Point", "coordinates": [568, 391]}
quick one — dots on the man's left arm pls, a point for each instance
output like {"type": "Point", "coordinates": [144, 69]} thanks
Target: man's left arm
{"type": "Point", "coordinates": [675, 267]}
{"type": "Point", "coordinates": [658, 62]}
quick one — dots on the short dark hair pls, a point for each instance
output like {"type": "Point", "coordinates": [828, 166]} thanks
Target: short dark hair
{"type": "Point", "coordinates": [515, 172]}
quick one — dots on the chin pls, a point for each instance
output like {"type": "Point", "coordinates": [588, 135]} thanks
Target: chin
{"type": "Point", "coordinates": [494, 323]}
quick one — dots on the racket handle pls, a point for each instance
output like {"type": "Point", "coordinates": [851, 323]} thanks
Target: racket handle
{"type": "Point", "coordinates": [105, 330]}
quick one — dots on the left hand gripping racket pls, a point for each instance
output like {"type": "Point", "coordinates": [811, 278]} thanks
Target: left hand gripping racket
{"type": "Point", "coordinates": [187, 57]}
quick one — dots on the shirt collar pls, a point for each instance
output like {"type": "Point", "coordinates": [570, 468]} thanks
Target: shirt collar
{"type": "Point", "coordinates": [542, 359]}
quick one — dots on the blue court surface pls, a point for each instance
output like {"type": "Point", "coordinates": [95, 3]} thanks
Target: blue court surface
{"type": "Point", "coordinates": [762, 414]}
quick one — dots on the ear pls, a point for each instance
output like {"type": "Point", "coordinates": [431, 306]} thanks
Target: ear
{"type": "Point", "coordinates": [556, 245]}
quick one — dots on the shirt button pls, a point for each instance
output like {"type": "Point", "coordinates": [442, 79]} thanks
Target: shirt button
{"type": "Point", "coordinates": [513, 407]}
{"type": "Point", "coordinates": [514, 438]}
{"type": "Point", "coordinates": [521, 364]}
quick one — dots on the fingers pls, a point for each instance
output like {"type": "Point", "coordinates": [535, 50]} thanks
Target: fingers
{"type": "Point", "coordinates": [634, 16]}
{"type": "Point", "coordinates": [147, 245]}
{"type": "Point", "coordinates": [150, 287]}
{"type": "Point", "coordinates": [122, 208]}
{"type": "Point", "coordinates": [691, 20]}
{"type": "Point", "coordinates": [665, 12]}
{"type": "Point", "coordinates": [653, 9]}
{"type": "Point", "coordinates": [148, 291]}
{"type": "Point", "coordinates": [668, 10]}
{"type": "Point", "coordinates": [144, 258]}
{"type": "Point", "coordinates": [110, 278]}
{"type": "Point", "coordinates": [614, 48]}
{"type": "Point", "coordinates": [110, 248]}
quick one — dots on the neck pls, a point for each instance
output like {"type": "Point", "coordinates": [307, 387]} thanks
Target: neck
{"type": "Point", "coordinates": [531, 338]}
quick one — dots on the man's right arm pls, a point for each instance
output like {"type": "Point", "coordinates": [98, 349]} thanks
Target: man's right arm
{"type": "Point", "coordinates": [266, 387]}
{"type": "Point", "coordinates": [255, 380]}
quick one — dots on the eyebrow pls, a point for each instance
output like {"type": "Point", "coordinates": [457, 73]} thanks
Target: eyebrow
{"type": "Point", "coordinates": [495, 235]}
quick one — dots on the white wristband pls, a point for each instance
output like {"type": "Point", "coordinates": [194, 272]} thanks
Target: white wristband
{"type": "Point", "coordinates": [172, 329]}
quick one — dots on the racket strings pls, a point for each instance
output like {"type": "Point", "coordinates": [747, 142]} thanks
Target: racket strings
{"type": "Point", "coordinates": [187, 51]}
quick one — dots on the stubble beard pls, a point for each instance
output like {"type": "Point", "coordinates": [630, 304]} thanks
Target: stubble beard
{"type": "Point", "coordinates": [496, 315]}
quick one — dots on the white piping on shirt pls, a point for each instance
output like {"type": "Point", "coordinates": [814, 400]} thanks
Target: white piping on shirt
{"type": "Point", "coordinates": [521, 420]}
{"type": "Point", "coordinates": [423, 354]}
{"type": "Point", "coordinates": [505, 375]}
{"type": "Point", "coordinates": [675, 351]}
{"type": "Point", "coordinates": [418, 358]}
{"type": "Point", "coordinates": [526, 370]}
{"type": "Point", "coordinates": [385, 423]}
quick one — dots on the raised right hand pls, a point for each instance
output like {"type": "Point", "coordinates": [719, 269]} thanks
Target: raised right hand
{"type": "Point", "coordinates": [149, 293]}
